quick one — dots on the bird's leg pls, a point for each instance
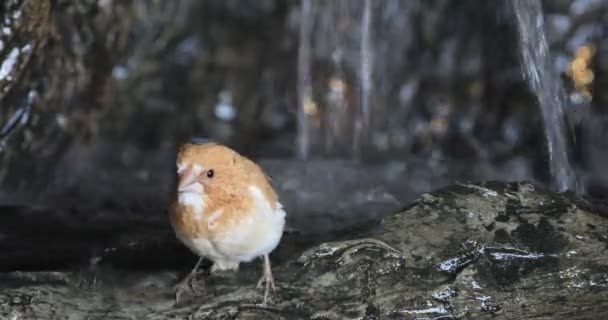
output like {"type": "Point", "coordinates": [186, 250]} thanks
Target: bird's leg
{"type": "Point", "coordinates": [267, 278]}
{"type": "Point", "coordinates": [186, 283]}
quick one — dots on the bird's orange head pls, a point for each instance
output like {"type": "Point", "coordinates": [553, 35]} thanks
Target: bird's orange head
{"type": "Point", "coordinates": [212, 171]}
{"type": "Point", "coordinates": [207, 166]}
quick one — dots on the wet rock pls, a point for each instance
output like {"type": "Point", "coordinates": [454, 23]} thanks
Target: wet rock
{"type": "Point", "coordinates": [468, 251]}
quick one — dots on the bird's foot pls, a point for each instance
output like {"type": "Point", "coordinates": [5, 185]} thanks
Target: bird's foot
{"type": "Point", "coordinates": [187, 284]}
{"type": "Point", "coordinates": [268, 280]}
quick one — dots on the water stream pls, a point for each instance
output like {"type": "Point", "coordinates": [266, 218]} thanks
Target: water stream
{"type": "Point", "coordinates": [545, 84]}
{"type": "Point", "coordinates": [349, 69]}
{"type": "Point", "coordinates": [362, 122]}
{"type": "Point", "coordinates": [306, 104]}
{"type": "Point", "coordinates": [334, 78]}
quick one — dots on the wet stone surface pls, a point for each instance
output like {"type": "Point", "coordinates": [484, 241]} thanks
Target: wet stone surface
{"type": "Point", "coordinates": [491, 250]}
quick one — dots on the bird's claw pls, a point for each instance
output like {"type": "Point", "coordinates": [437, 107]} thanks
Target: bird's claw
{"type": "Point", "coordinates": [187, 284]}
{"type": "Point", "coordinates": [179, 290]}
{"type": "Point", "coordinates": [269, 283]}
{"type": "Point", "coordinates": [181, 287]}
{"type": "Point", "coordinates": [269, 286]}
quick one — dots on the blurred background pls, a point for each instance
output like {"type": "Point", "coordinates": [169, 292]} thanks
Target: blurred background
{"type": "Point", "coordinates": [349, 104]}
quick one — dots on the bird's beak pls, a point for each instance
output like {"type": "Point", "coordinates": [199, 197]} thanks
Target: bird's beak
{"type": "Point", "coordinates": [185, 178]}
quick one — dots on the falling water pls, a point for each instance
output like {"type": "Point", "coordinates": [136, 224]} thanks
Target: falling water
{"type": "Point", "coordinates": [538, 69]}
{"type": "Point", "coordinates": [362, 121]}
{"type": "Point", "coordinates": [334, 77]}
{"type": "Point", "coordinates": [306, 104]}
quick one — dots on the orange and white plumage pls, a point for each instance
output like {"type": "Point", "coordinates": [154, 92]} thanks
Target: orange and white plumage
{"type": "Point", "coordinates": [225, 209]}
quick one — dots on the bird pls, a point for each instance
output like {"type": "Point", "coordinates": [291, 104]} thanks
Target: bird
{"type": "Point", "coordinates": [226, 210]}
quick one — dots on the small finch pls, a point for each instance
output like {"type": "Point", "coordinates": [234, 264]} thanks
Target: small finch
{"type": "Point", "coordinates": [225, 210]}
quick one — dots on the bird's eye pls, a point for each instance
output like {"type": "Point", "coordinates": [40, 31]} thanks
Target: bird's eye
{"type": "Point", "coordinates": [210, 173]}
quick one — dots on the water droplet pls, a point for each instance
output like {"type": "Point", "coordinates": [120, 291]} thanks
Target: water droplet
{"type": "Point", "coordinates": [224, 110]}
{"type": "Point", "coordinates": [119, 72]}
{"type": "Point", "coordinates": [7, 65]}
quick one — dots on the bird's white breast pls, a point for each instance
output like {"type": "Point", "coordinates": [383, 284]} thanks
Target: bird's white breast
{"type": "Point", "coordinates": [192, 200]}
{"type": "Point", "coordinates": [258, 233]}
{"type": "Point", "coordinates": [192, 195]}
{"type": "Point", "coordinates": [202, 246]}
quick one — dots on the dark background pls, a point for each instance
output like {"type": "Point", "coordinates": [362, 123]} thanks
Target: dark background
{"type": "Point", "coordinates": [95, 96]}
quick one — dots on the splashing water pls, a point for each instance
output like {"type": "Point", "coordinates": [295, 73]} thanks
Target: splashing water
{"type": "Point", "coordinates": [538, 69]}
